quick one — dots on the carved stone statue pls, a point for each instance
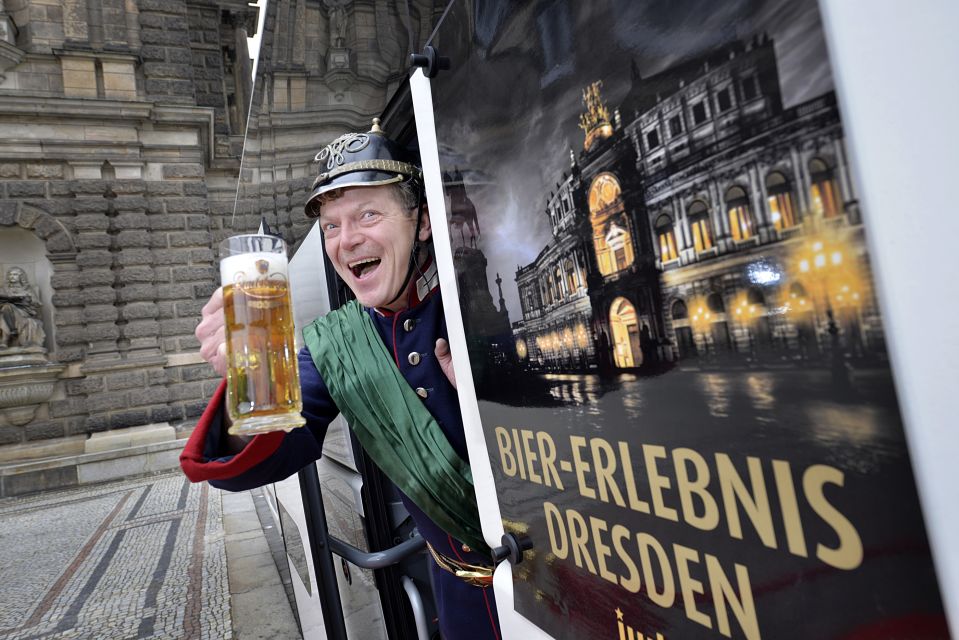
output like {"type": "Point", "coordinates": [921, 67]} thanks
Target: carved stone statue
{"type": "Point", "coordinates": [20, 324]}
{"type": "Point", "coordinates": [337, 22]}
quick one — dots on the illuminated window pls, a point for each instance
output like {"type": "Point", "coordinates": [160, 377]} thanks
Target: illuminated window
{"type": "Point", "coordinates": [699, 224]}
{"type": "Point", "coordinates": [737, 210]}
{"type": "Point", "coordinates": [604, 193]}
{"type": "Point", "coordinates": [779, 199]}
{"type": "Point", "coordinates": [521, 350]}
{"type": "Point", "coordinates": [572, 279]}
{"type": "Point", "coordinates": [616, 240]}
{"type": "Point", "coordinates": [611, 236]}
{"type": "Point", "coordinates": [667, 238]}
{"type": "Point", "coordinates": [822, 192]}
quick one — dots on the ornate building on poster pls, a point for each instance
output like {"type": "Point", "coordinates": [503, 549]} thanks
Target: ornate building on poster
{"type": "Point", "coordinates": [702, 221]}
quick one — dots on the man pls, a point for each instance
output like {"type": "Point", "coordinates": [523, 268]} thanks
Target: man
{"type": "Point", "coordinates": [20, 323]}
{"type": "Point", "coordinates": [396, 388]}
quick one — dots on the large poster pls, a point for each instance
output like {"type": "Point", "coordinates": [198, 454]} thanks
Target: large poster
{"type": "Point", "coordinates": [675, 336]}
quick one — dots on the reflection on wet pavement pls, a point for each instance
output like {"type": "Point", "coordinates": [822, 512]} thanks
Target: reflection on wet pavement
{"type": "Point", "coordinates": [777, 407]}
{"type": "Point", "coordinates": [716, 388]}
{"type": "Point", "coordinates": [760, 388]}
{"type": "Point", "coordinates": [851, 435]}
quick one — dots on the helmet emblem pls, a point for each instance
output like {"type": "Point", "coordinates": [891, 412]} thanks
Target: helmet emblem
{"type": "Point", "coordinates": [348, 143]}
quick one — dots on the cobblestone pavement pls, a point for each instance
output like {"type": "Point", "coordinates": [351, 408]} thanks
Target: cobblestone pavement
{"type": "Point", "coordinates": [140, 558]}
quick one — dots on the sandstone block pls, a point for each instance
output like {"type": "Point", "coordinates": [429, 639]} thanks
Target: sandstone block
{"type": "Point", "coordinates": [24, 189]}
{"type": "Point", "coordinates": [135, 274]}
{"type": "Point", "coordinates": [141, 329]}
{"type": "Point", "coordinates": [43, 171]}
{"type": "Point", "coordinates": [190, 170]}
{"type": "Point", "coordinates": [94, 278]}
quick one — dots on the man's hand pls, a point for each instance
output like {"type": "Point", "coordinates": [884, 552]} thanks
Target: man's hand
{"type": "Point", "coordinates": [442, 352]}
{"type": "Point", "coordinates": [211, 332]}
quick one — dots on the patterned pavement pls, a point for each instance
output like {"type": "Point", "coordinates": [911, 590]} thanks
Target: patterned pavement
{"type": "Point", "coordinates": [141, 558]}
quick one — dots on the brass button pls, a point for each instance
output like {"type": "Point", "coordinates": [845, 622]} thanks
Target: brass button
{"type": "Point", "coordinates": [466, 548]}
{"type": "Point", "coordinates": [408, 324]}
{"type": "Point", "coordinates": [421, 392]}
{"type": "Point", "coordinates": [413, 358]}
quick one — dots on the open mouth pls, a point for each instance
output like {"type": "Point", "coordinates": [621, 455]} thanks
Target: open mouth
{"type": "Point", "coordinates": [364, 267]}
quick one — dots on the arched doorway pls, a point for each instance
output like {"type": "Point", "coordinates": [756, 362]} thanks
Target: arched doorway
{"type": "Point", "coordinates": [625, 328]}
{"type": "Point", "coordinates": [823, 193]}
{"type": "Point", "coordinates": [779, 200]}
{"type": "Point", "coordinates": [737, 210]}
{"type": "Point", "coordinates": [612, 240]}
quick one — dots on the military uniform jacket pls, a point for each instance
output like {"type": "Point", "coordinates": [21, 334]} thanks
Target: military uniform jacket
{"type": "Point", "coordinates": [410, 335]}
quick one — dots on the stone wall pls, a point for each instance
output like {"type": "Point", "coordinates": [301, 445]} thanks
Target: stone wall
{"type": "Point", "coordinates": [118, 152]}
{"type": "Point", "coordinates": [121, 128]}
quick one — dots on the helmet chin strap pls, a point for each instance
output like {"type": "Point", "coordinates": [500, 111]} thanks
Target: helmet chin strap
{"type": "Point", "coordinates": [415, 251]}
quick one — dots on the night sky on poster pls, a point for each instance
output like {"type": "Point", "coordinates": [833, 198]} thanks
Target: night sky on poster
{"type": "Point", "coordinates": [692, 413]}
{"type": "Point", "coordinates": [547, 101]}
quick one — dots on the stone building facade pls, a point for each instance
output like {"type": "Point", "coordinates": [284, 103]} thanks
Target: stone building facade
{"type": "Point", "coordinates": [123, 125]}
{"type": "Point", "coordinates": [715, 223]}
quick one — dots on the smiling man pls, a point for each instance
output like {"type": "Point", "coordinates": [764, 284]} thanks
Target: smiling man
{"type": "Point", "coordinates": [383, 362]}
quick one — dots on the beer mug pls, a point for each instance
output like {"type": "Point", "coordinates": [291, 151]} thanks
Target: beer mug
{"type": "Point", "coordinates": [263, 380]}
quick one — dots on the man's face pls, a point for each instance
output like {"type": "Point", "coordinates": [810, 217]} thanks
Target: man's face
{"type": "Point", "coordinates": [368, 235]}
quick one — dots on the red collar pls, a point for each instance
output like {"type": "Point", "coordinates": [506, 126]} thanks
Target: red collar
{"type": "Point", "coordinates": [425, 285]}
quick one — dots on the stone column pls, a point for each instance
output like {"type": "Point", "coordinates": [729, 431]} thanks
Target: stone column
{"type": "Point", "coordinates": [839, 150]}
{"type": "Point", "coordinates": [94, 207]}
{"type": "Point", "coordinates": [800, 187]}
{"type": "Point", "coordinates": [134, 276]}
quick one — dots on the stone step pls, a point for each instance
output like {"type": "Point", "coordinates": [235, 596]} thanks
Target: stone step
{"type": "Point", "coordinates": [89, 468]}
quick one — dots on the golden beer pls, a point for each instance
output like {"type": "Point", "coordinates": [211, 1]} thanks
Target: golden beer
{"type": "Point", "coordinates": [263, 382]}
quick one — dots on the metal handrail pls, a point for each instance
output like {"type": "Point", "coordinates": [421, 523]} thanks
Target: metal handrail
{"type": "Point", "coordinates": [377, 559]}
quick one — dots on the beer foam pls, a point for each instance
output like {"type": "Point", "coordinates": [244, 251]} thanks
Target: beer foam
{"type": "Point", "coordinates": [251, 266]}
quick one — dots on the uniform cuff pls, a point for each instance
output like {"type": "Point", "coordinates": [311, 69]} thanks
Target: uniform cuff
{"type": "Point", "coordinates": [194, 460]}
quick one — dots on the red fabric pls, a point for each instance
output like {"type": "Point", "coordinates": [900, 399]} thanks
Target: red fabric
{"type": "Point", "coordinates": [917, 626]}
{"type": "Point", "coordinates": [198, 469]}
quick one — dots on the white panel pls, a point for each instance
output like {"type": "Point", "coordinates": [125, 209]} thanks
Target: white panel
{"type": "Point", "coordinates": [897, 71]}
{"type": "Point", "coordinates": [307, 601]}
{"type": "Point", "coordinates": [513, 625]}
{"type": "Point", "coordinates": [308, 282]}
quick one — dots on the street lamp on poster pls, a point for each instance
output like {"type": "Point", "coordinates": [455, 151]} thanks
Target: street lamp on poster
{"type": "Point", "coordinates": [746, 313]}
{"type": "Point", "coordinates": [700, 318]}
{"type": "Point", "coordinates": [825, 266]}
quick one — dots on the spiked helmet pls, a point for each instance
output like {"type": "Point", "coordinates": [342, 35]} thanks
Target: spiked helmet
{"type": "Point", "coordinates": [360, 160]}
